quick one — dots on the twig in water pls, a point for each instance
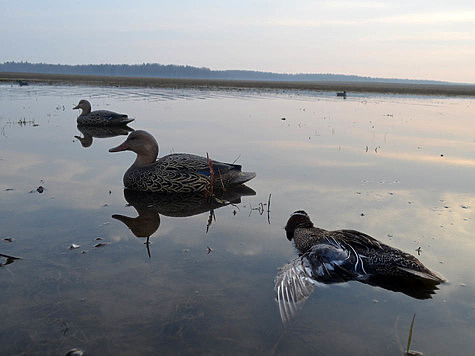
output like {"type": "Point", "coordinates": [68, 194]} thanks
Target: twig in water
{"type": "Point", "coordinates": [268, 209]}
{"type": "Point", "coordinates": [210, 193]}
{"type": "Point", "coordinates": [239, 156]}
{"type": "Point", "coordinates": [210, 219]}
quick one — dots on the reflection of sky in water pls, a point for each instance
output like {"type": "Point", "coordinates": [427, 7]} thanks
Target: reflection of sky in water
{"type": "Point", "coordinates": [405, 163]}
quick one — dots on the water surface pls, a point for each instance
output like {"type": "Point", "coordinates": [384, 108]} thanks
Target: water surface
{"type": "Point", "coordinates": [400, 168]}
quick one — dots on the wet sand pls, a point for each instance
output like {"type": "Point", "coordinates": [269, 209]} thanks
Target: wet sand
{"type": "Point", "coordinates": [150, 82]}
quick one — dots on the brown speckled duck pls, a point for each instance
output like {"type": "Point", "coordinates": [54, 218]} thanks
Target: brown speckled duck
{"type": "Point", "coordinates": [345, 255]}
{"type": "Point", "coordinates": [175, 173]}
{"type": "Point", "coordinates": [99, 117]}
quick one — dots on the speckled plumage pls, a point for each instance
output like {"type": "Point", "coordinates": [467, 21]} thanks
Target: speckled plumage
{"type": "Point", "coordinates": [99, 117]}
{"type": "Point", "coordinates": [175, 173]}
{"type": "Point", "coordinates": [363, 254]}
{"type": "Point", "coordinates": [328, 257]}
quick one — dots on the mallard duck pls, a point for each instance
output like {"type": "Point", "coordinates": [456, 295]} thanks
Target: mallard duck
{"type": "Point", "coordinates": [99, 117]}
{"type": "Point", "coordinates": [175, 173]}
{"type": "Point", "coordinates": [345, 255]}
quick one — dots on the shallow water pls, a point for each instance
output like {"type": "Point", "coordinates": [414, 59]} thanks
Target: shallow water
{"type": "Point", "coordinates": [400, 168]}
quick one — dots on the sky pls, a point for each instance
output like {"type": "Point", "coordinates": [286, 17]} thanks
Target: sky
{"type": "Point", "coordinates": [392, 39]}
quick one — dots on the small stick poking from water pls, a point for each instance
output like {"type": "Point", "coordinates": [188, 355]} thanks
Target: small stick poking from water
{"type": "Point", "coordinates": [211, 176]}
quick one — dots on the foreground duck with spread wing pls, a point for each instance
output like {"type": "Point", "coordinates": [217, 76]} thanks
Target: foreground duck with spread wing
{"type": "Point", "coordinates": [99, 117]}
{"type": "Point", "coordinates": [175, 173]}
{"type": "Point", "coordinates": [345, 255]}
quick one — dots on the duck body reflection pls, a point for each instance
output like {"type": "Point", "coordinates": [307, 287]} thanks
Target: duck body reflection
{"type": "Point", "coordinates": [150, 206]}
{"type": "Point", "coordinates": [344, 255]}
{"type": "Point", "coordinates": [91, 132]}
{"type": "Point", "coordinates": [175, 173]}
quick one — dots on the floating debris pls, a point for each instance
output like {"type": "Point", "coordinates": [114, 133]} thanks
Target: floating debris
{"type": "Point", "coordinates": [283, 118]}
{"type": "Point", "coordinates": [74, 246]}
{"type": "Point", "coordinates": [9, 259]}
{"type": "Point", "coordinates": [186, 250]}
{"type": "Point", "coordinates": [464, 206]}
{"type": "Point", "coordinates": [102, 244]}
{"type": "Point", "coordinates": [40, 189]}
{"type": "Point", "coordinates": [362, 214]}
{"type": "Point", "coordinates": [8, 239]}
{"type": "Point", "coordinates": [419, 250]}
{"type": "Point", "coordinates": [209, 250]}
{"type": "Point", "coordinates": [9, 189]}
{"type": "Point", "coordinates": [98, 238]}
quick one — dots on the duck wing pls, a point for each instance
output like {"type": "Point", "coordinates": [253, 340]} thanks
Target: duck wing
{"type": "Point", "coordinates": [103, 118]}
{"type": "Point", "coordinates": [293, 285]}
{"type": "Point", "coordinates": [322, 264]}
{"type": "Point", "coordinates": [230, 174]}
{"type": "Point", "coordinates": [358, 240]}
{"type": "Point", "coordinates": [190, 162]}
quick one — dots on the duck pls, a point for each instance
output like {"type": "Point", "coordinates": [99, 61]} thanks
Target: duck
{"type": "Point", "coordinates": [327, 257]}
{"type": "Point", "coordinates": [99, 117]}
{"type": "Point", "coordinates": [175, 173]}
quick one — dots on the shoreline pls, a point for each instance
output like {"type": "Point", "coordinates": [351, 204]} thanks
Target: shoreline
{"type": "Point", "coordinates": [214, 84]}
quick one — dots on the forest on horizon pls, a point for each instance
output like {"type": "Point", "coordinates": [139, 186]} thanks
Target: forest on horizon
{"type": "Point", "coordinates": [189, 72]}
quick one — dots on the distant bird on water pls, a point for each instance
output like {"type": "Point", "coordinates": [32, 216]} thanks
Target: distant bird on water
{"type": "Point", "coordinates": [175, 173]}
{"type": "Point", "coordinates": [99, 117]}
{"type": "Point", "coordinates": [344, 255]}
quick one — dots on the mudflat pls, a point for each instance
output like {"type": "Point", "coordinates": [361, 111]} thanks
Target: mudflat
{"type": "Point", "coordinates": [155, 82]}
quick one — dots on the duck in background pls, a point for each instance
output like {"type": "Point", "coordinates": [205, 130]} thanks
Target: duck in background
{"type": "Point", "coordinates": [344, 255]}
{"type": "Point", "coordinates": [175, 173]}
{"type": "Point", "coordinates": [99, 117]}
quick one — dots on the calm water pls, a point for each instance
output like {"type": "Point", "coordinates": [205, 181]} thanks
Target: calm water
{"type": "Point", "coordinates": [399, 168]}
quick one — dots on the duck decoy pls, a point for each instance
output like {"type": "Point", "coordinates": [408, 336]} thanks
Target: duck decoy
{"type": "Point", "coordinates": [175, 173]}
{"type": "Point", "coordinates": [99, 117]}
{"type": "Point", "coordinates": [344, 255]}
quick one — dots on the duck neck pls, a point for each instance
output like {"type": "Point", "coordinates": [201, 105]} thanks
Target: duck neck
{"type": "Point", "coordinates": [147, 156]}
{"type": "Point", "coordinates": [86, 109]}
{"type": "Point", "coordinates": [144, 160]}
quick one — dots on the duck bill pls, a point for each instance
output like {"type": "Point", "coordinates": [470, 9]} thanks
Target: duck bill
{"type": "Point", "coordinates": [76, 107]}
{"type": "Point", "coordinates": [121, 147]}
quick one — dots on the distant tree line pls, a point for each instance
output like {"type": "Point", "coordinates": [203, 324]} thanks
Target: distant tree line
{"type": "Point", "coordinates": [180, 71]}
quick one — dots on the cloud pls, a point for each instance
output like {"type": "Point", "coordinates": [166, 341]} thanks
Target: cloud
{"type": "Point", "coordinates": [414, 18]}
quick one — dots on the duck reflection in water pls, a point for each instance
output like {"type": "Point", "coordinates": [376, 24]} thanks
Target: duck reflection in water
{"type": "Point", "coordinates": [89, 132]}
{"type": "Point", "coordinates": [149, 206]}
{"type": "Point", "coordinates": [327, 257]}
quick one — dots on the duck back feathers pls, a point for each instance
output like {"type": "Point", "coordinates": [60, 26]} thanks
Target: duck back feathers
{"type": "Point", "coordinates": [99, 117]}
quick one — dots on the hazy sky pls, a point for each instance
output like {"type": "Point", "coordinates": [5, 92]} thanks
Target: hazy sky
{"type": "Point", "coordinates": [402, 39]}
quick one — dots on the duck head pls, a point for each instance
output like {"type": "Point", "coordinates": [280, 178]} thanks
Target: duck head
{"type": "Point", "coordinates": [84, 105]}
{"type": "Point", "coordinates": [143, 144]}
{"type": "Point", "coordinates": [298, 219]}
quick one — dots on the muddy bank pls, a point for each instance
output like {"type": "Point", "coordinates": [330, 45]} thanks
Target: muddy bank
{"type": "Point", "coordinates": [368, 87]}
